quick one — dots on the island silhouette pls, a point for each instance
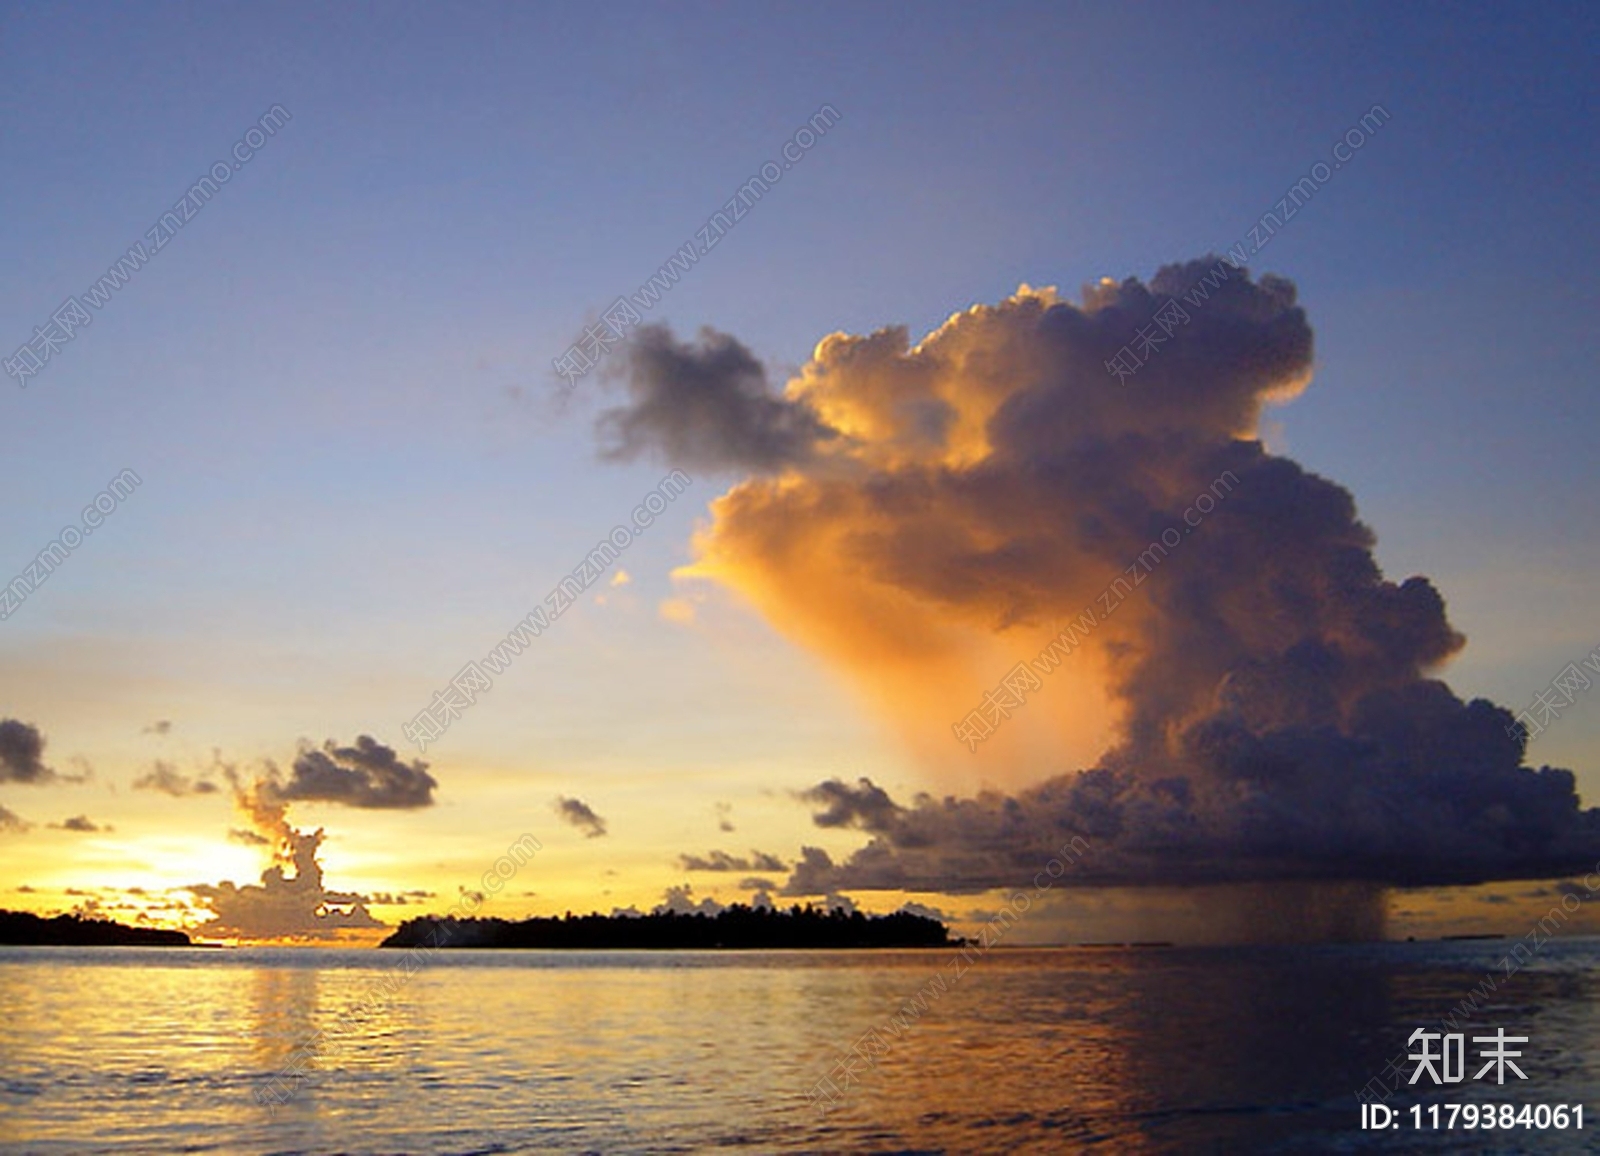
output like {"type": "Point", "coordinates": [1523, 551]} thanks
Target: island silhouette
{"type": "Point", "coordinates": [734, 928]}
{"type": "Point", "coordinates": [23, 928]}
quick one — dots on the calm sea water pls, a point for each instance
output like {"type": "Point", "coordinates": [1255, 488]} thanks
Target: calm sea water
{"type": "Point", "coordinates": [1217, 1050]}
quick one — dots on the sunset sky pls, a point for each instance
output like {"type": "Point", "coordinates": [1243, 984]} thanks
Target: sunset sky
{"type": "Point", "coordinates": [357, 470]}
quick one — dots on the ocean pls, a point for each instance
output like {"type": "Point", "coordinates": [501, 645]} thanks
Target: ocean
{"type": "Point", "coordinates": [1117, 1050]}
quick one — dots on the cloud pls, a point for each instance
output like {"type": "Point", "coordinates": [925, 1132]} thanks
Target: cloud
{"type": "Point", "coordinates": [722, 861]}
{"type": "Point", "coordinates": [677, 610]}
{"type": "Point", "coordinates": [1259, 703]}
{"type": "Point", "coordinates": [813, 874]}
{"type": "Point", "coordinates": [22, 753]}
{"type": "Point", "coordinates": [725, 817]}
{"type": "Point", "coordinates": [677, 900]}
{"type": "Point", "coordinates": [167, 779]}
{"type": "Point", "coordinates": [705, 405]}
{"type": "Point", "coordinates": [283, 906]}
{"type": "Point", "coordinates": [864, 805]}
{"type": "Point", "coordinates": [580, 815]}
{"type": "Point", "coordinates": [80, 823]}
{"type": "Point", "coordinates": [159, 727]}
{"type": "Point", "coordinates": [368, 775]}
{"type": "Point", "coordinates": [298, 906]}
{"type": "Point", "coordinates": [11, 823]}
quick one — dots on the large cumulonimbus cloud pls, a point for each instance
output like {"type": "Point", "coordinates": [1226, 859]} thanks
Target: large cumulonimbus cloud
{"type": "Point", "coordinates": [1263, 706]}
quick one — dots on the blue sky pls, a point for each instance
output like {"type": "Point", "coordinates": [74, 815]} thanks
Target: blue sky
{"type": "Point", "coordinates": [335, 381]}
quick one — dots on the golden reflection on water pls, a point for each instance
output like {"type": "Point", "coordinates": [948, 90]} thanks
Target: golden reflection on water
{"type": "Point", "coordinates": [1034, 1051]}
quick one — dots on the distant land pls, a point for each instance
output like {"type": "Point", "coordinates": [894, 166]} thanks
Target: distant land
{"type": "Point", "coordinates": [26, 929]}
{"type": "Point", "coordinates": [736, 927]}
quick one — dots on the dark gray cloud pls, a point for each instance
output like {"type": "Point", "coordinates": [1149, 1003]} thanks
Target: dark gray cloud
{"type": "Point", "coordinates": [722, 861]}
{"type": "Point", "coordinates": [79, 823]}
{"type": "Point", "coordinates": [168, 780]}
{"type": "Point", "coordinates": [12, 824]}
{"type": "Point", "coordinates": [864, 805]}
{"type": "Point", "coordinates": [22, 753]}
{"type": "Point", "coordinates": [580, 815]}
{"type": "Point", "coordinates": [814, 874]}
{"type": "Point", "coordinates": [368, 775]}
{"type": "Point", "coordinates": [1420, 789]}
{"type": "Point", "coordinates": [706, 405]}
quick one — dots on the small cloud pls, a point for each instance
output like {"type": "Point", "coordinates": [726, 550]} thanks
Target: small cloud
{"type": "Point", "coordinates": [80, 823]}
{"type": "Point", "coordinates": [167, 779]}
{"type": "Point", "coordinates": [925, 911]}
{"type": "Point", "coordinates": [159, 727]}
{"type": "Point", "coordinates": [812, 875]}
{"type": "Point", "coordinates": [755, 883]}
{"type": "Point", "coordinates": [580, 815]}
{"type": "Point", "coordinates": [22, 753]}
{"type": "Point", "coordinates": [83, 771]}
{"type": "Point", "coordinates": [724, 819]}
{"type": "Point", "coordinates": [368, 775]}
{"type": "Point", "coordinates": [678, 610]}
{"type": "Point", "coordinates": [866, 805]}
{"type": "Point", "coordinates": [621, 578]}
{"type": "Point", "coordinates": [248, 838]}
{"type": "Point", "coordinates": [677, 900]}
{"type": "Point", "coordinates": [844, 902]}
{"type": "Point", "coordinates": [11, 822]}
{"type": "Point", "coordinates": [25, 889]}
{"type": "Point", "coordinates": [722, 861]}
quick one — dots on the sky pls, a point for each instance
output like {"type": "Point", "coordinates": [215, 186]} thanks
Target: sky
{"type": "Point", "coordinates": [337, 461]}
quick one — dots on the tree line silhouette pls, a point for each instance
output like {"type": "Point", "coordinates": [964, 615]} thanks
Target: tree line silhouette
{"type": "Point", "coordinates": [26, 929]}
{"type": "Point", "coordinates": [735, 927]}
